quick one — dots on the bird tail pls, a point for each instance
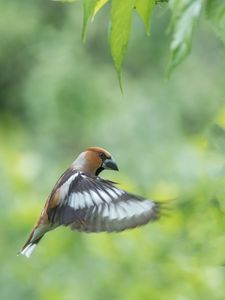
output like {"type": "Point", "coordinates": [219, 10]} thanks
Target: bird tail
{"type": "Point", "coordinates": [29, 246]}
{"type": "Point", "coordinates": [34, 238]}
{"type": "Point", "coordinates": [28, 250]}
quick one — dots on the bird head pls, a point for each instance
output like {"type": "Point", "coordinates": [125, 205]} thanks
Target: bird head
{"type": "Point", "coordinates": [94, 160]}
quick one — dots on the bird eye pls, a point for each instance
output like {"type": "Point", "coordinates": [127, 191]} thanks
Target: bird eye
{"type": "Point", "coordinates": [102, 156]}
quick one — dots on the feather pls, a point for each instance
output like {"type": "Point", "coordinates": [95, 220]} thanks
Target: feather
{"type": "Point", "coordinates": [98, 205]}
{"type": "Point", "coordinates": [28, 250]}
{"type": "Point", "coordinates": [83, 201]}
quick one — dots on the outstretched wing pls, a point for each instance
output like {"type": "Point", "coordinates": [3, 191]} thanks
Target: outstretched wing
{"type": "Point", "coordinates": [92, 204]}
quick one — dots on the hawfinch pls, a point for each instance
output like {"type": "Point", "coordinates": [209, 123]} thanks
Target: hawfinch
{"type": "Point", "coordinates": [84, 201]}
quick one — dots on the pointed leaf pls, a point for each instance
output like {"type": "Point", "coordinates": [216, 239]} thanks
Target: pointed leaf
{"type": "Point", "coordinates": [144, 9]}
{"type": "Point", "coordinates": [215, 11]}
{"type": "Point", "coordinates": [98, 6]}
{"type": "Point", "coordinates": [185, 15]}
{"type": "Point", "coordinates": [88, 8]}
{"type": "Point", "coordinates": [121, 18]}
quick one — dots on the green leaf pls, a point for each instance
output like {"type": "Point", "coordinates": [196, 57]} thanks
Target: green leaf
{"type": "Point", "coordinates": [144, 9]}
{"type": "Point", "coordinates": [215, 11]}
{"type": "Point", "coordinates": [185, 13]}
{"type": "Point", "coordinates": [88, 7]}
{"type": "Point", "coordinates": [98, 6]}
{"type": "Point", "coordinates": [121, 19]}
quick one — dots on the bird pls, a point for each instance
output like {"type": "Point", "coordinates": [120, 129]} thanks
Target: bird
{"type": "Point", "coordinates": [84, 201]}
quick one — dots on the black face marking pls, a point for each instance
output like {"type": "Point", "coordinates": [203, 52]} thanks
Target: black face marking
{"type": "Point", "coordinates": [99, 170]}
{"type": "Point", "coordinates": [103, 157]}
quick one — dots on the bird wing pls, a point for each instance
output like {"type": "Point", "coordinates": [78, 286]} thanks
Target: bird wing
{"type": "Point", "coordinates": [93, 204]}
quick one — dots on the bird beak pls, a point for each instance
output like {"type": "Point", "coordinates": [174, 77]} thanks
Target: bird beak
{"type": "Point", "coordinates": [110, 164]}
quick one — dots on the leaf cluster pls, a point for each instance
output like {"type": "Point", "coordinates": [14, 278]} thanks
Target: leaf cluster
{"type": "Point", "coordinates": [184, 16]}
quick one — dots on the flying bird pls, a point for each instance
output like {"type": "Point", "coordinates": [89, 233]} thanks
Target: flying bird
{"type": "Point", "coordinates": [85, 202]}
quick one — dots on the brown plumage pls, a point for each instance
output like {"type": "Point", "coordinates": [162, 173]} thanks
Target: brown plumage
{"type": "Point", "coordinates": [83, 201]}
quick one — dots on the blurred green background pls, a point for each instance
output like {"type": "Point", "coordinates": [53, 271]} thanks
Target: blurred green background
{"type": "Point", "coordinates": [59, 96]}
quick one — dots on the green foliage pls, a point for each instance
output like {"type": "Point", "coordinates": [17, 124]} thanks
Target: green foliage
{"type": "Point", "coordinates": [145, 8]}
{"type": "Point", "coordinates": [215, 10]}
{"type": "Point", "coordinates": [185, 13]}
{"type": "Point", "coordinates": [98, 6]}
{"type": "Point", "coordinates": [121, 16]}
{"type": "Point", "coordinates": [89, 7]}
{"type": "Point", "coordinates": [184, 16]}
